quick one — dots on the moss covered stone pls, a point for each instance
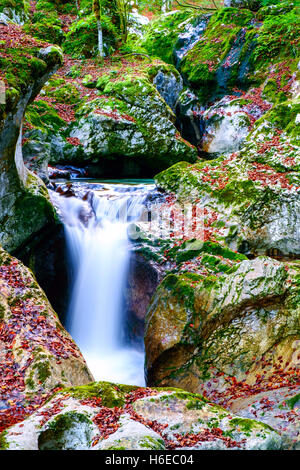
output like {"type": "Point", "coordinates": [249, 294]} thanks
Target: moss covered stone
{"type": "Point", "coordinates": [249, 191]}
{"type": "Point", "coordinates": [68, 431]}
{"type": "Point", "coordinates": [151, 420]}
{"type": "Point", "coordinates": [198, 328]}
{"type": "Point", "coordinates": [25, 207]}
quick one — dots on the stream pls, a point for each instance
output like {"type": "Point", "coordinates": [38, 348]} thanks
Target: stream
{"type": "Point", "coordinates": [96, 215]}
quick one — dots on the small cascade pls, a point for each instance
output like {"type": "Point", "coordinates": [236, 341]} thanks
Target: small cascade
{"type": "Point", "coordinates": [96, 232]}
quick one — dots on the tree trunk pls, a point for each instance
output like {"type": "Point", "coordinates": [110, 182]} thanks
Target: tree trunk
{"type": "Point", "coordinates": [97, 11]}
{"type": "Point", "coordinates": [166, 5]}
{"type": "Point", "coordinates": [100, 39]}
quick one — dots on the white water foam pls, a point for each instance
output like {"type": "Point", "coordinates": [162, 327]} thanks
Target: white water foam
{"type": "Point", "coordinates": [96, 233]}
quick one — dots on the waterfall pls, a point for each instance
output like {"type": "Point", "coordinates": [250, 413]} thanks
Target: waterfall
{"type": "Point", "coordinates": [99, 250]}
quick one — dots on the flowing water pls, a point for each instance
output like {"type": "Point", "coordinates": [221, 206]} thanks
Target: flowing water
{"type": "Point", "coordinates": [96, 219]}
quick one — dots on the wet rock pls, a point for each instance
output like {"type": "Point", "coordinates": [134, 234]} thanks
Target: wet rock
{"type": "Point", "coordinates": [189, 117]}
{"type": "Point", "coordinates": [191, 34]}
{"type": "Point", "coordinates": [134, 123]}
{"type": "Point", "coordinates": [169, 87]}
{"type": "Point", "coordinates": [36, 154]}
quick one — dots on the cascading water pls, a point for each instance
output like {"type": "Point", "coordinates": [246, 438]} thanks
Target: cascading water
{"type": "Point", "coordinates": [96, 233]}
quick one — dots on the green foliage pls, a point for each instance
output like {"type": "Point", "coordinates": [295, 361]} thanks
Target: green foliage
{"type": "Point", "coordinates": [18, 5]}
{"type": "Point", "coordinates": [61, 6]}
{"type": "Point", "coordinates": [277, 38]}
{"type": "Point", "coordinates": [82, 39]}
{"type": "Point", "coordinates": [47, 28]}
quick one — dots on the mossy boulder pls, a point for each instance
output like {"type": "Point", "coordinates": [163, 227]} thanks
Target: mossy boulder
{"type": "Point", "coordinates": [70, 430]}
{"type": "Point", "coordinates": [148, 419]}
{"type": "Point", "coordinates": [46, 27]}
{"type": "Point", "coordinates": [237, 49]}
{"type": "Point", "coordinates": [249, 4]}
{"type": "Point", "coordinates": [275, 138]}
{"type": "Point", "coordinates": [247, 193]}
{"type": "Point", "coordinates": [25, 207]}
{"type": "Point", "coordinates": [230, 335]}
{"type": "Point", "coordinates": [40, 354]}
{"type": "Point", "coordinates": [129, 128]}
{"type": "Point", "coordinates": [162, 34]}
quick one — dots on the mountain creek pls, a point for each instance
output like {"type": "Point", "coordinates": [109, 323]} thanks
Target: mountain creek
{"type": "Point", "coordinates": [149, 225]}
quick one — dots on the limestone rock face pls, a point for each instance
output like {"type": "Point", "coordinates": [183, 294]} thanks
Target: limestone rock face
{"type": "Point", "coordinates": [253, 195]}
{"type": "Point", "coordinates": [226, 127]}
{"type": "Point", "coordinates": [104, 416]}
{"type": "Point", "coordinates": [37, 354]}
{"type": "Point", "coordinates": [25, 207]}
{"type": "Point", "coordinates": [127, 128]}
{"type": "Point", "coordinates": [230, 336]}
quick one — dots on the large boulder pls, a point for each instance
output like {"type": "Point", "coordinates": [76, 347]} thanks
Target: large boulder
{"type": "Point", "coordinates": [243, 52]}
{"type": "Point", "coordinates": [120, 120]}
{"type": "Point", "coordinates": [233, 336]}
{"type": "Point", "coordinates": [253, 195]}
{"type": "Point", "coordinates": [25, 207]}
{"type": "Point", "coordinates": [104, 416]}
{"type": "Point", "coordinates": [162, 34]}
{"type": "Point", "coordinates": [37, 354]}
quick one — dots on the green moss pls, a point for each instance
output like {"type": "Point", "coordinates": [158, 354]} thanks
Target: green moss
{"type": "Point", "coordinates": [189, 250]}
{"type": "Point", "coordinates": [55, 437]}
{"type": "Point", "coordinates": [181, 288]}
{"type": "Point", "coordinates": [30, 382]}
{"type": "Point", "coordinates": [276, 38]}
{"type": "Point", "coordinates": [112, 395]}
{"type": "Point", "coordinates": [249, 425]}
{"type": "Point", "coordinates": [67, 93]}
{"type": "Point", "coordinates": [47, 28]}
{"type": "Point", "coordinates": [283, 116]}
{"type": "Point", "coordinates": [53, 6]}
{"type": "Point", "coordinates": [151, 443]}
{"type": "Point", "coordinates": [3, 442]}
{"type": "Point", "coordinates": [117, 448]}
{"type": "Point", "coordinates": [82, 39]}
{"type": "Point", "coordinates": [2, 312]}
{"type": "Point", "coordinates": [43, 371]}
{"type": "Point", "coordinates": [195, 404]}
{"type": "Point", "coordinates": [17, 5]}
{"type": "Point", "coordinates": [43, 116]}
{"type": "Point", "coordinates": [65, 421]}
{"type": "Point", "coordinates": [291, 402]}
{"type": "Point", "coordinates": [162, 35]}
